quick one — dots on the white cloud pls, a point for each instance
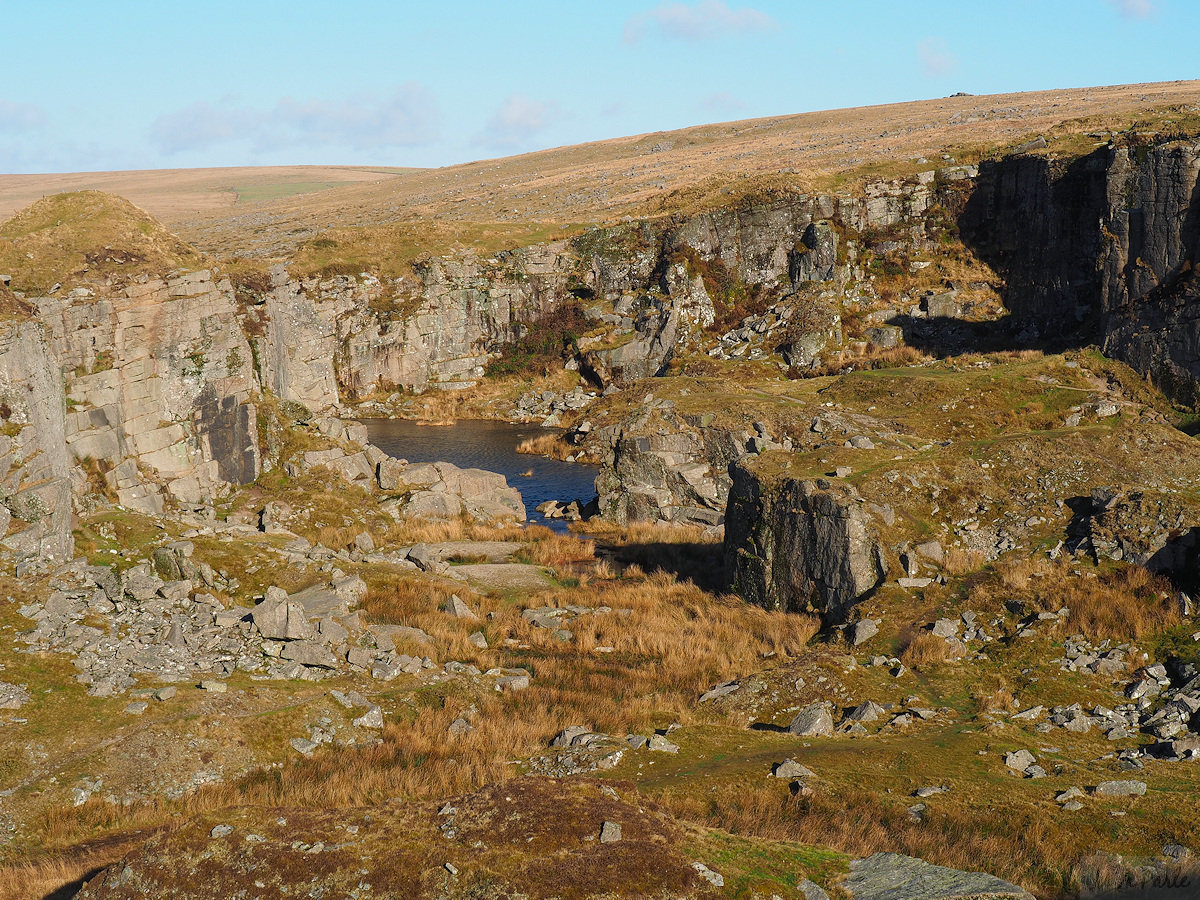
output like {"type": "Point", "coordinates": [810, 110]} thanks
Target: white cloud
{"type": "Point", "coordinates": [722, 102]}
{"type": "Point", "coordinates": [518, 119]}
{"type": "Point", "coordinates": [705, 20]}
{"type": "Point", "coordinates": [1135, 9]}
{"type": "Point", "coordinates": [405, 117]}
{"type": "Point", "coordinates": [936, 58]}
{"type": "Point", "coordinates": [18, 117]}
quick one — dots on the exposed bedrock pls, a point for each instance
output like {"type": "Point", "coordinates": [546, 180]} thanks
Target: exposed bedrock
{"type": "Point", "coordinates": [1101, 248]}
{"type": "Point", "coordinates": [34, 465]}
{"type": "Point", "coordinates": [799, 544]}
{"type": "Point", "coordinates": [663, 466]}
{"type": "Point", "coordinates": [159, 381]}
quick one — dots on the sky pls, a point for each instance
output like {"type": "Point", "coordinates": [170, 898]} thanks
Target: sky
{"type": "Point", "coordinates": [121, 84]}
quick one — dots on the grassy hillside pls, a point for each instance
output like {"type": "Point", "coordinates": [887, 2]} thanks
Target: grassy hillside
{"type": "Point", "coordinates": [86, 235]}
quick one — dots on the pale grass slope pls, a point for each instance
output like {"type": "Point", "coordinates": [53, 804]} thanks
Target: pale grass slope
{"type": "Point", "coordinates": [267, 211]}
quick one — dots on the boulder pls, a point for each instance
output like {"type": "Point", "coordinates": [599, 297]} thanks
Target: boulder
{"type": "Point", "coordinates": [309, 653]}
{"type": "Point", "coordinates": [1121, 788]}
{"type": "Point", "coordinates": [798, 544]}
{"type": "Point", "coordinates": [862, 631]}
{"type": "Point", "coordinates": [812, 721]}
{"type": "Point", "coordinates": [281, 619]}
{"type": "Point", "coordinates": [890, 876]}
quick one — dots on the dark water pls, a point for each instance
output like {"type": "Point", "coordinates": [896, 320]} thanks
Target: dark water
{"type": "Point", "coordinates": [478, 444]}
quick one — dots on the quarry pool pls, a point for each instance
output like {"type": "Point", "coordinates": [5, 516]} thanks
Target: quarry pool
{"type": "Point", "coordinates": [480, 444]}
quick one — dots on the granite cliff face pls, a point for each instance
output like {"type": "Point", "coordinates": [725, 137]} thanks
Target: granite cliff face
{"type": "Point", "coordinates": [36, 471]}
{"type": "Point", "coordinates": [159, 382]}
{"type": "Point", "coordinates": [329, 339]}
{"type": "Point", "coordinates": [1100, 249]}
{"type": "Point", "coordinates": [161, 375]}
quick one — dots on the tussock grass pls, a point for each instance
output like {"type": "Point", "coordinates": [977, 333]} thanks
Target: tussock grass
{"type": "Point", "coordinates": [923, 650]}
{"type": "Point", "coordinates": [1018, 846]}
{"type": "Point", "coordinates": [1118, 602]}
{"type": "Point", "coordinates": [671, 641]}
{"type": "Point", "coordinates": [551, 444]}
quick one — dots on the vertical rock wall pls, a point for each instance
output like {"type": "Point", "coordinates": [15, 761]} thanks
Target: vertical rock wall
{"type": "Point", "coordinates": [35, 471]}
{"type": "Point", "coordinates": [159, 382]}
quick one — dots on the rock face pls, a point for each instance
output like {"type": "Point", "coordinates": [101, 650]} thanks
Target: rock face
{"type": "Point", "coordinates": [660, 465]}
{"type": "Point", "coordinates": [797, 545]}
{"type": "Point", "coordinates": [890, 876]}
{"type": "Point", "coordinates": [329, 338]}
{"type": "Point", "coordinates": [1107, 242]}
{"type": "Point", "coordinates": [159, 381]}
{"type": "Point", "coordinates": [34, 464]}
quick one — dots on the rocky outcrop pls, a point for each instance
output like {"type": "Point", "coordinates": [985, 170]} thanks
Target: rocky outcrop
{"type": "Point", "coordinates": [796, 544]}
{"type": "Point", "coordinates": [1150, 296]}
{"type": "Point", "coordinates": [1143, 527]}
{"type": "Point", "coordinates": [437, 490]}
{"type": "Point", "coordinates": [160, 382]}
{"type": "Point", "coordinates": [1101, 248]}
{"type": "Point", "coordinates": [35, 519]}
{"type": "Point", "coordinates": [326, 339]}
{"type": "Point", "coordinates": [663, 466]}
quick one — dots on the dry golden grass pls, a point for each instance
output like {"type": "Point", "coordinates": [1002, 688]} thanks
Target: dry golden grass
{"type": "Point", "coordinates": [924, 650]}
{"type": "Point", "coordinates": [1122, 602]}
{"type": "Point", "coordinates": [1127, 603]}
{"type": "Point", "coordinates": [54, 876]}
{"type": "Point", "coordinates": [959, 561]}
{"type": "Point", "coordinates": [551, 549]}
{"type": "Point", "coordinates": [992, 692]}
{"type": "Point", "coordinates": [1019, 847]}
{"type": "Point", "coordinates": [551, 445]}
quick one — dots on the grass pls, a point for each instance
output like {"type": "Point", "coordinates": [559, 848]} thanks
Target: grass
{"type": "Point", "coordinates": [389, 251]}
{"type": "Point", "coordinates": [1116, 602]}
{"type": "Point", "coordinates": [87, 236]}
{"type": "Point", "coordinates": [257, 192]}
{"type": "Point", "coordinates": [923, 650]}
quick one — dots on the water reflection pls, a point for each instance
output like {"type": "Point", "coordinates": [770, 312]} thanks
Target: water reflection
{"type": "Point", "coordinates": [480, 444]}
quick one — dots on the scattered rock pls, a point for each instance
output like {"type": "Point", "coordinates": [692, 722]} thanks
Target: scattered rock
{"type": "Point", "coordinates": [372, 718]}
{"type": "Point", "coordinates": [713, 878]}
{"type": "Point", "coordinates": [812, 721]}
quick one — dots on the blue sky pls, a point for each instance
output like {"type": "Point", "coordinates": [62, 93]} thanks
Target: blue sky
{"type": "Point", "coordinates": [129, 85]}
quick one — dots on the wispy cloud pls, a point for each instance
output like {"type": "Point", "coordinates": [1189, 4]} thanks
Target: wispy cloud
{"type": "Point", "coordinates": [722, 102]}
{"type": "Point", "coordinates": [519, 118]}
{"type": "Point", "coordinates": [18, 117]}
{"type": "Point", "coordinates": [405, 117]}
{"type": "Point", "coordinates": [701, 21]}
{"type": "Point", "coordinates": [1135, 9]}
{"type": "Point", "coordinates": [936, 58]}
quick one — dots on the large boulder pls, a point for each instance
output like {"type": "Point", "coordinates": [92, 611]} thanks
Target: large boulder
{"type": "Point", "coordinates": [446, 491]}
{"type": "Point", "coordinates": [280, 618]}
{"type": "Point", "coordinates": [812, 721]}
{"type": "Point", "coordinates": [660, 465]}
{"type": "Point", "coordinates": [799, 544]}
{"type": "Point", "coordinates": [890, 876]}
